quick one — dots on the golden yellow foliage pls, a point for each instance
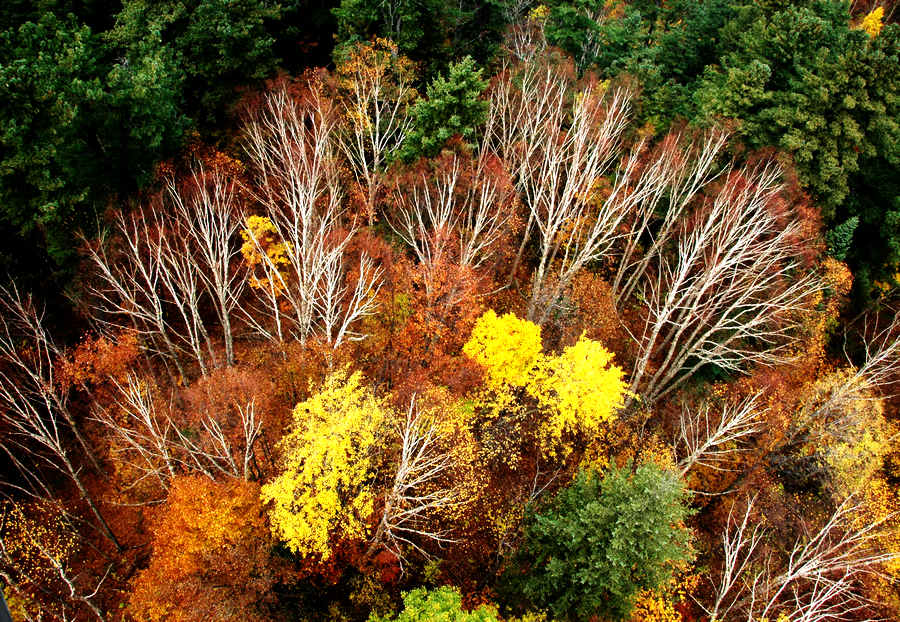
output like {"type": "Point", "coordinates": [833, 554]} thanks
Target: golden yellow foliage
{"type": "Point", "coordinates": [855, 446]}
{"type": "Point", "coordinates": [36, 539]}
{"type": "Point", "coordinates": [539, 14]}
{"type": "Point", "coordinates": [580, 390]}
{"type": "Point", "coordinates": [659, 605]}
{"type": "Point", "coordinates": [261, 235]}
{"type": "Point", "coordinates": [575, 392]}
{"type": "Point", "coordinates": [328, 463]}
{"type": "Point", "coordinates": [651, 607]}
{"type": "Point", "coordinates": [507, 347]}
{"type": "Point", "coordinates": [873, 22]}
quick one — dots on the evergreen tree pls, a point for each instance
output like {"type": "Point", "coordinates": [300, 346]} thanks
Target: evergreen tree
{"type": "Point", "coordinates": [598, 542]}
{"type": "Point", "coordinates": [453, 107]}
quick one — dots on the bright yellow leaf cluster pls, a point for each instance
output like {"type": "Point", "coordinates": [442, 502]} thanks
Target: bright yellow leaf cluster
{"type": "Point", "coordinates": [539, 14]}
{"type": "Point", "coordinates": [328, 464]}
{"type": "Point", "coordinates": [576, 391]}
{"type": "Point", "coordinates": [873, 22]}
{"type": "Point", "coordinates": [580, 388]}
{"type": "Point", "coordinates": [651, 607]}
{"type": "Point", "coordinates": [36, 539]}
{"type": "Point", "coordinates": [853, 447]}
{"type": "Point", "coordinates": [261, 235]}
{"type": "Point", "coordinates": [507, 347]}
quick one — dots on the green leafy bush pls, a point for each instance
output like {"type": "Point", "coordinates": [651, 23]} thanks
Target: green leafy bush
{"type": "Point", "coordinates": [443, 604]}
{"type": "Point", "coordinates": [599, 542]}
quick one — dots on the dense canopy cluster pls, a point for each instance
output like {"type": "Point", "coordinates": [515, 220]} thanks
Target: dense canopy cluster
{"type": "Point", "coordinates": [477, 311]}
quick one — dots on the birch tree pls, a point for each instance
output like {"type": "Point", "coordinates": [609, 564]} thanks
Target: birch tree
{"type": "Point", "coordinates": [156, 447]}
{"type": "Point", "coordinates": [453, 215]}
{"type": "Point", "coordinates": [128, 292]}
{"type": "Point", "coordinates": [732, 291]}
{"type": "Point", "coordinates": [420, 488]}
{"type": "Point", "coordinates": [34, 409]}
{"type": "Point", "coordinates": [377, 86]}
{"type": "Point", "coordinates": [709, 438]}
{"type": "Point", "coordinates": [818, 578]}
{"type": "Point", "coordinates": [207, 213]}
{"type": "Point", "coordinates": [291, 141]}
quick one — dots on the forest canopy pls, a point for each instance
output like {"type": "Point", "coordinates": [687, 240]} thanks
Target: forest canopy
{"type": "Point", "coordinates": [375, 310]}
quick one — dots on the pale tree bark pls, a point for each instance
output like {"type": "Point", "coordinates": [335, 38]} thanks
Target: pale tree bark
{"type": "Point", "coordinates": [34, 407]}
{"type": "Point", "coordinates": [817, 579]}
{"type": "Point", "coordinates": [30, 354]}
{"type": "Point", "coordinates": [707, 439]}
{"type": "Point", "coordinates": [526, 102]}
{"type": "Point", "coordinates": [673, 173]}
{"type": "Point", "coordinates": [739, 546]}
{"type": "Point", "coordinates": [454, 215]}
{"type": "Point", "coordinates": [375, 116]}
{"type": "Point", "coordinates": [292, 145]}
{"type": "Point", "coordinates": [864, 383]}
{"type": "Point", "coordinates": [13, 573]}
{"type": "Point", "coordinates": [208, 220]}
{"type": "Point", "coordinates": [145, 436]}
{"type": "Point", "coordinates": [575, 225]}
{"type": "Point", "coordinates": [557, 152]}
{"type": "Point", "coordinates": [731, 293]}
{"type": "Point", "coordinates": [419, 489]}
{"type": "Point", "coordinates": [131, 281]}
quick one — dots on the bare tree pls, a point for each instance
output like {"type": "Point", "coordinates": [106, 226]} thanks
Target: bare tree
{"type": "Point", "coordinates": [207, 222]}
{"type": "Point", "coordinates": [818, 579]}
{"type": "Point", "coordinates": [731, 293]}
{"type": "Point", "coordinates": [557, 152]}
{"type": "Point", "coordinates": [378, 91]}
{"type": "Point", "coordinates": [453, 215]}
{"type": "Point", "coordinates": [739, 546]}
{"type": "Point", "coordinates": [130, 291]}
{"type": "Point", "coordinates": [141, 435]}
{"type": "Point", "coordinates": [173, 254]}
{"type": "Point", "coordinates": [708, 440]}
{"type": "Point", "coordinates": [292, 145]}
{"type": "Point", "coordinates": [52, 559]}
{"type": "Point", "coordinates": [575, 224]}
{"type": "Point", "coordinates": [419, 488]}
{"type": "Point", "coordinates": [157, 449]}
{"type": "Point", "coordinates": [672, 173]}
{"type": "Point", "coordinates": [854, 384]}
{"type": "Point", "coordinates": [526, 101]}
{"type": "Point", "coordinates": [34, 407]}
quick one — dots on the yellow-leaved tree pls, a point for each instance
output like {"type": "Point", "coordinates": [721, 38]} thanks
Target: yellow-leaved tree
{"type": "Point", "coordinates": [326, 487]}
{"type": "Point", "coordinates": [508, 348]}
{"type": "Point", "coordinates": [579, 390]}
{"type": "Point", "coordinates": [873, 22]}
{"type": "Point", "coordinates": [263, 250]}
{"type": "Point", "coordinates": [572, 393]}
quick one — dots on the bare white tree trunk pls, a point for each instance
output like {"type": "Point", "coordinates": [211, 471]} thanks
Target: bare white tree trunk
{"type": "Point", "coordinates": [419, 488]}
{"type": "Point", "coordinates": [375, 118]}
{"type": "Point", "coordinates": [817, 579]}
{"type": "Point", "coordinates": [32, 404]}
{"type": "Point", "coordinates": [707, 440]}
{"type": "Point", "coordinates": [292, 145]}
{"type": "Point", "coordinates": [208, 219]}
{"type": "Point", "coordinates": [732, 292]}
{"type": "Point", "coordinates": [454, 215]}
{"type": "Point", "coordinates": [157, 449]}
{"type": "Point", "coordinates": [129, 294]}
{"type": "Point", "coordinates": [675, 174]}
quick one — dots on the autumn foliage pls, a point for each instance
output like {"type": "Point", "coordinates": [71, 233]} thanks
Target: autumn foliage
{"type": "Point", "coordinates": [208, 533]}
{"type": "Point", "coordinates": [561, 365]}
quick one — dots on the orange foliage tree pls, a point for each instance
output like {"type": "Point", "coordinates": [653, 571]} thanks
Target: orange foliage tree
{"type": "Point", "coordinates": [211, 556]}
